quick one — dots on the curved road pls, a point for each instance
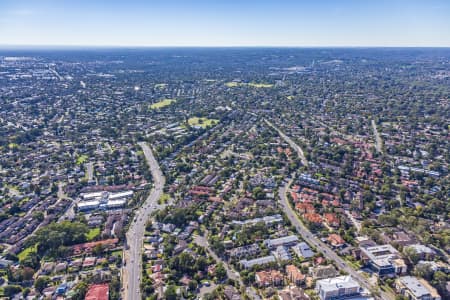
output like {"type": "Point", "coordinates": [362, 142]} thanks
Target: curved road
{"type": "Point", "coordinates": [291, 143]}
{"type": "Point", "coordinates": [313, 240]}
{"type": "Point", "coordinates": [132, 256]}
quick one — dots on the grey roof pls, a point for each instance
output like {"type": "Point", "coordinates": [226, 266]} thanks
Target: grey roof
{"type": "Point", "coordinates": [422, 249]}
{"type": "Point", "coordinates": [273, 243]}
{"type": "Point", "coordinates": [414, 286]}
{"type": "Point", "coordinates": [257, 261]}
{"type": "Point", "coordinates": [303, 249]}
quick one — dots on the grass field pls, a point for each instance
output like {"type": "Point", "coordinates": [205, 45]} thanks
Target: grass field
{"type": "Point", "coordinates": [290, 97]}
{"type": "Point", "coordinates": [164, 198]}
{"type": "Point", "coordinates": [92, 234]}
{"type": "Point", "coordinates": [82, 159]}
{"type": "Point", "coordinates": [160, 85]}
{"type": "Point", "coordinates": [233, 84]}
{"type": "Point", "coordinates": [22, 255]}
{"type": "Point", "coordinates": [12, 145]}
{"type": "Point", "coordinates": [162, 103]}
{"type": "Point", "coordinates": [203, 122]}
{"type": "Point", "coordinates": [260, 85]}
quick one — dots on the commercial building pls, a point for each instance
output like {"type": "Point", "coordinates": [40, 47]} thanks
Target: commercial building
{"type": "Point", "coordinates": [384, 260]}
{"type": "Point", "coordinates": [103, 200]}
{"type": "Point", "coordinates": [340, 287]}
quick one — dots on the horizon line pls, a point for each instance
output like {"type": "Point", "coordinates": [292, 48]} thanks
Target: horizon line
{"type": "Point", "coordinates": [86, 46]}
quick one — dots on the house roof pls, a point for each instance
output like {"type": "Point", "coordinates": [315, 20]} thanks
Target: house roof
{"type": "Point", "coordinates": [98, 292]}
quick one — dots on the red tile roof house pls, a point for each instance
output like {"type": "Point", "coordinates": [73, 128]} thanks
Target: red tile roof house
{"type": "Point", "coordinates": [313, 218]}
{"type": "Point", "coordinates": [98, 292]}
{"type": "Point", "coordinates": [295, 275]}
{"type": "Point", "coordinates": [336, 240]}
{"type": "Point", "coordinates": [331, 219]}
{"type": "Point", "coordinates": [157, 268]}
{"type": "Point", "coordinates": [88, 247]}
{"type": "Point", "coordinates": [305, 207]}
{"type": "Point", "coordinates": [89, 262]}
{"type": "Point", "coordinates": [269, 278]}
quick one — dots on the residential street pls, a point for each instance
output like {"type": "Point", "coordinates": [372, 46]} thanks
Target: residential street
{"type": "Point", "coordinates": [291, 143]}
{"type": "Point", "coordinates": [322, 247]}
{"type": "Point", "coordinates": [234, 275]}
{"type": "Point", "coordinates": [132, 255]}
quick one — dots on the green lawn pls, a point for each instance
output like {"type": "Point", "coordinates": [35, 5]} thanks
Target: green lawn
{"type": "Point", "coordinates": [116, 253]}
{"type": "Point", "coordinates": [22, 255]}
{"type": "Point", "coordinates": [82, 159]}
{"type": "Point", "coordinates": [12, 145]}
{"type": "Point", "coordinates": [164, 198]}
{"type": "Point", "coordinates": [92, 234]}
{"type": "Point", "coordinates": [160, 85]}
{"type": "Point", "coordinates": [233, 84]}
{"type": "Point", "coordinates": [162, 103]}
{"type": "Point", "coordinates": [260, 85]}
{"type": "Point", "coordinates": [203, 122]}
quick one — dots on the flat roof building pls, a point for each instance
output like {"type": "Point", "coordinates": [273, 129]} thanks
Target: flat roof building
{"type": "Point", "coordinates": [247, 264]}
{"type": "Point", "coordinates": [88, 205]}
{"type": "Point", "coordinates": [385, 260]}
{"type": "Point", "coordinates": [340, 287]}
{"type": "Point", "coordinates": [303, 250]}
{"type": "Point", "coordinates": [416, 289]}
{"type": "Point", "coordinates": [283, 241]}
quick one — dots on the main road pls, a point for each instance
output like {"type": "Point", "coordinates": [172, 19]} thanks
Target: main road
{"type": "Point", "coordinates": [378, 140]}
{"type": "Point", "coordinates": [131, 274]}
{"type": "Point", "coordinates": [311, 239]}
{"type": "Point", "coordinates": [321, 247]}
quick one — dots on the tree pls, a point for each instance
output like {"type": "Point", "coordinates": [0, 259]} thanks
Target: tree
{"type": "Point", "coordinates": [412, 255]}
{"type": "Point", "coordinates": [11, 290]}
{"type": "Point", "coordinates": [171, 293]}
{"type": "Point", "coordinates": [52, 237]}
{"type": "Point", "coordinates": [41, 283]}
{"type": "Point", "coordinates": [258, 193]}
{"type": "Point", "coordinates": [221, 273]}
{"type": "Point", "coordinates": [193, 285]}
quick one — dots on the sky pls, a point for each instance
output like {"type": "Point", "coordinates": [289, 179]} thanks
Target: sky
{"type": "Point", "coordinates": [289, 23]}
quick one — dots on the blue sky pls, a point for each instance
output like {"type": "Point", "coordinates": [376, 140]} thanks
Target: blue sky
{"type": "Point", "coordinates": [225, 23]}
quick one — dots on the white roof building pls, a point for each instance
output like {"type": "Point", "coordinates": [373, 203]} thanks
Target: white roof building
{"type": "Point", "coordinates": [88, 205]}
{"type": "Point", "coordinates": [416, 289]}
{"type": "Point", "coordinates": [247, 264]}
{"type": "Point", "coordinates": [283, 241]}
{"type": "Point", "coordinates": [340, 287]}
{"type": "Point", "coordinates": [125, 194]}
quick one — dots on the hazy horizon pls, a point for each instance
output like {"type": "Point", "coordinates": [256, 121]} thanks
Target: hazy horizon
{"type": "Point", "coordinates": [200, 23]}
